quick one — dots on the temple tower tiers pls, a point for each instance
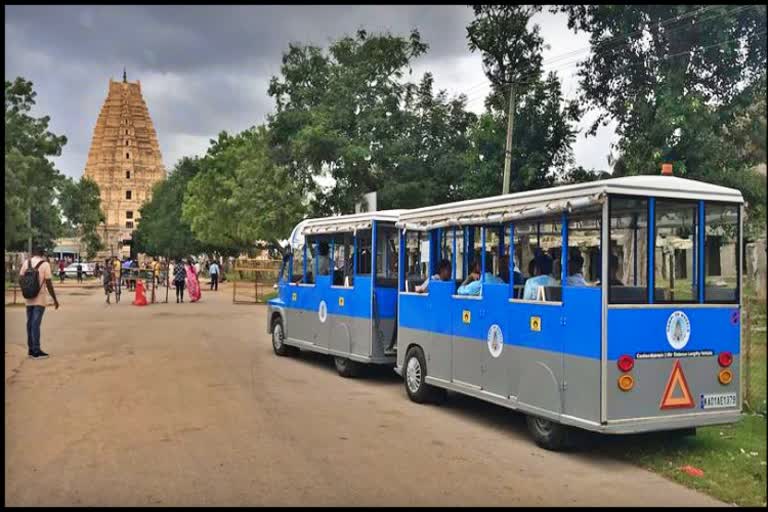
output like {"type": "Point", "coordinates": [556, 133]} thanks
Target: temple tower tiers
{"type": "Point", "coordinates": [125, 161]}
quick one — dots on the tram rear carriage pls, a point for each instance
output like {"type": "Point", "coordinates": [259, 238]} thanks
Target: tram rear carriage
{"type": "Point", "coordinates": [338, 291]}
{"type": "Point", "coordinates": [618, 341]}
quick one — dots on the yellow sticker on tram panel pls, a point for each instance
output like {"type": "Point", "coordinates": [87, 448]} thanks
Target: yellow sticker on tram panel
{"type": "Point", "coordinates": [466, 316]}
{"type": "Point", "coordinates": [293, 296]}
{"type": "Point", "coordinates": [341, 302]}
{"type": "Point", "coordinates": [536, 323]}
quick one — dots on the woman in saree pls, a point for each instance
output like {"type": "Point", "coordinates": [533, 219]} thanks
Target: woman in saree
{"type": "Point", "coordinates": [193, 285]}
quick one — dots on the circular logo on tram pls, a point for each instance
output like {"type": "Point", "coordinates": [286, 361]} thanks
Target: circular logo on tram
{"type": "Point", "coordinates": [322, 313]}
{"type": "Point", "coordinates": [495, 340]}
{"type": "Point", "coordinates": [678, 330]}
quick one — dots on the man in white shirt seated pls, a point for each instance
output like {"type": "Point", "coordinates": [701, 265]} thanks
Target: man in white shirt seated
{"type": "Point", "coordinates": [542, 268]}
{"type": "Point", "coordinates": [443, 274]}
{"type": "Point", "coordinates": [575, 265]}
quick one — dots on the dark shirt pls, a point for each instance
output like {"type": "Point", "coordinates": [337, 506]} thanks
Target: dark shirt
{"type": "Point", "coordinates": [179, 273]}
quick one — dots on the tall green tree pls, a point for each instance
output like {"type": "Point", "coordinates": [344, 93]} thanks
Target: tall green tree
{"type": "Point", "coordinates": [162, 231]}
{"type": "Point", "coordinates": [81, 205]}
{"type": "Point", "coordinates": [678, 80]}
{"type": "Point", "coordinates": [240, 196]}
{"type": "Point", "coordinates": [427, 159]}
{"type": "Point", "coordinates": [544, 122]}
{"type": "Point", "coordinates": [338, 112]}
{"type": "Point", "coordinates": [31, 179]}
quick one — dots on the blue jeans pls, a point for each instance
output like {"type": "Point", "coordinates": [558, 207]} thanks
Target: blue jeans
{"type": "Point", "coordinates": [34, 319]}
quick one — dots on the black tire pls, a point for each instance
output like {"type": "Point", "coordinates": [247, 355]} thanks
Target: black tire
{"type": "Point", "coordinates": [414, 375]}
{"type": "Point", "coordinates": [549, 434]}
{"type": "Point", "coordinates": [347, 368]}
{"type": "Point", "coordinates": [278, 340]}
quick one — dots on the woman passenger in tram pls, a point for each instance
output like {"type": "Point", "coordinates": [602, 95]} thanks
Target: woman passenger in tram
{"type": "Point", "coordinates": [542, 268]}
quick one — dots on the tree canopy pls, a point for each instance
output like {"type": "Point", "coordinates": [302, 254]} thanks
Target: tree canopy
{"type": "Point", "coordinates": [240, 195]}
{"type": "Point", "coordinates": [31, 179]}
{"type": "Point", "coordinates": [681, 82]}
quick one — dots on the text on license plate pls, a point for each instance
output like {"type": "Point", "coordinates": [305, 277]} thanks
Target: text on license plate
{"type": "Point", "coordinates": [718, 400]}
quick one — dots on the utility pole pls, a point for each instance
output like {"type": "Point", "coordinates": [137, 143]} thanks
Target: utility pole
{"type": "Point", "coordinates": [29, 237]}
{"type": "Point", "coordinates": [510, 127]}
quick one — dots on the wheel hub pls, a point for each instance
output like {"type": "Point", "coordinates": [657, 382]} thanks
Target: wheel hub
{"type": "Point", "coordinates": [413, 374]}
{"type": "Point", "coordinates": [277, 336]}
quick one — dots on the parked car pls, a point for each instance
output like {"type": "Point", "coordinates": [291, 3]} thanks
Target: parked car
{"type": "Point", "coordinates": [71, 270]}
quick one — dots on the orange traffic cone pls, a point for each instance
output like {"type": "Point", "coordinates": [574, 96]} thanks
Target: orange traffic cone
{"type": "Point", "coordinates": [140, 299]}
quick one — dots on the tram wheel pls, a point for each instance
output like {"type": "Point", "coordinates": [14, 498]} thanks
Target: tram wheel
{"type": "Point", "coordinates": [549, 434]}
{"type": "Point", "coordinates": [278, 340]}
{"type": "Point", "coordinates": [346, 367]}
{"type": "Point", "coordinates": [415, 374]}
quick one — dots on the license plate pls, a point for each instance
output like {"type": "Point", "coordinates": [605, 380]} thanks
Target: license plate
{"type": "Point", "coordinates": [718, 400]}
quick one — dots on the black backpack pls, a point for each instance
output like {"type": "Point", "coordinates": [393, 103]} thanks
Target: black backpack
{"type": "Point", "coordinates": [30, 281]}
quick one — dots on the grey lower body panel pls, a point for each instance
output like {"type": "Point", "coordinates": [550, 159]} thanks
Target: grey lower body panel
{"type": "Point", "coordinates": [338, 335]}
{"type": "Point", "coordinates": [566, 388]}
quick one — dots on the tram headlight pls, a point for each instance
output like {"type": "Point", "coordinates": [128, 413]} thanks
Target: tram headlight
{"type": "Point", "coordinates": [625, 363]}
{"type": "Point", "coordinates": [725, 376]}
{"type": "Point", "coordinates": [626, 382]}
{"type": "Point", "coordinates": [725, 359]}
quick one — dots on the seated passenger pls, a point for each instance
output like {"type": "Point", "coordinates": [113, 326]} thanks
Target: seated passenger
{"type": "Point", "coordinates": [613, 269]}
{"type": "Point", "coordinates": [323, 260]}
{"type": "Point", "coordinates": [473, 285]}
{"type": "Point", "coordinates": [443, 274]}
{"type": "Point", "coordinates": [542, 268]}
{"type": "Point", "coordinates": [504, 268]}
{"type": "Point", "coordinates": [575, 264]}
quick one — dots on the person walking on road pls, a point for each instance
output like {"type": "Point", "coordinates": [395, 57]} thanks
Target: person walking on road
{"type": "Point", "coordinates": [61, 271]}
{"type": "Point", "coordinates": [116, 280]}
{"type": "Point", "coordinates": [214, 273]}
{"type": "Point", "coordinates": [37, 267]}
{"type": "Point", "coordinates": [179, 275]}
{"type": "Point", "coordinates": [107, 279]}
{"type": "Point", "coordinates": [79, 271]}
{"type": "Point", "coordinates": [192, 282]}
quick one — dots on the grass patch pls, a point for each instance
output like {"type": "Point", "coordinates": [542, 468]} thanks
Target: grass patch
{"type": "Point", "coordinates": [732, 457]}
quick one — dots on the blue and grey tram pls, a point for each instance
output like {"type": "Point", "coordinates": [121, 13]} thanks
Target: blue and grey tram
{"type": "Point", "coordinates": [611, 306]}
{"type": "Point", "coordinates": [338, 291]}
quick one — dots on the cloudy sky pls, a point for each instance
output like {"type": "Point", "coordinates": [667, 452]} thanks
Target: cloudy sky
{"type": "Point", "coordinates": [204, 69]}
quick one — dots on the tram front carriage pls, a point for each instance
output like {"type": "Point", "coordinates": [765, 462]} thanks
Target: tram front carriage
{"type": "Point", "coordinates": [338, 291]}
{"type": "Point", "coordinates": [626, 340]}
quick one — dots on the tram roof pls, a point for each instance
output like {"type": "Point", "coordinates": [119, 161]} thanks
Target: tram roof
{"type": "Point", "coordinates": [542, 202]}
{"type": "Point", "coordinates": [347, 223]}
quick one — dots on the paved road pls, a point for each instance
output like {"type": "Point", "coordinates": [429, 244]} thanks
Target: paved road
{"type": "Point", "coordinates": [187, 405]}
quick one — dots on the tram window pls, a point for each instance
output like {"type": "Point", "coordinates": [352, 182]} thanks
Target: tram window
{"type": "Point", "coordinates": [544, 285]}
{"type": "Point", "coordinates": [675, 251]}
{"type": "Point", "coordinates": [525, 243]}
{"type": "Point", "coordinates": [721, 253]}
{"type": "Point", "coordinates": [323, 248]}
{"type": "Point", "coordinates": [387, 257]}
{"type": "Point", "coordinates": [363, 252]}
{"type": "Point", "coordinates": [416, 259]}
{"type": "Point", "coordinates": [298, 266]}
{"type": "Point", "coordinates": [342, 259]}
{"type": "Point", "coordinates": [492, 256]}
{"type": "Point", "coordinates": [628, 257]}
{"type": "Point", "coordinates": [584, 250]}
{"type": "Point", "coordinates": [447, 252]}
{"type": "Point", "coordinates": [310, 269]}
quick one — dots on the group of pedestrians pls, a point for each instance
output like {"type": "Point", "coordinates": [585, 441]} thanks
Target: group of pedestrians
{"type": "Point", "coordinates": [185, 274]}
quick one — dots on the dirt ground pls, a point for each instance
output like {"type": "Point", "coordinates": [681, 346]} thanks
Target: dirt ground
{"type": "Point", "coordinates": [186, 404]}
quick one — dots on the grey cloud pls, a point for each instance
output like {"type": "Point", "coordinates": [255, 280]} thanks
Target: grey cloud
{"type": "Point", "coordinates": [205, 69]}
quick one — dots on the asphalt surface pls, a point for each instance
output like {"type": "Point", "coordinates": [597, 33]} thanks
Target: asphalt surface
{"type": "Point", "coordinates": [186, 404]}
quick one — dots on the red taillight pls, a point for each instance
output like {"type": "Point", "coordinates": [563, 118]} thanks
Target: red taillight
{"type": "Point", "coordinates": [625, 363]}
{"type": "Point", "coordinates": [725, 359]}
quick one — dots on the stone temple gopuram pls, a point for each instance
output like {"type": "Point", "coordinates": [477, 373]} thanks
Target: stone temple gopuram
{"type": "Point", "coordinates": [125, 161]}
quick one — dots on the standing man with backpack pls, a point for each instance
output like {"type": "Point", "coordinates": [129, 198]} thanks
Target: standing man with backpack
{"type": "Point", "coordinates": [34, 279]}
